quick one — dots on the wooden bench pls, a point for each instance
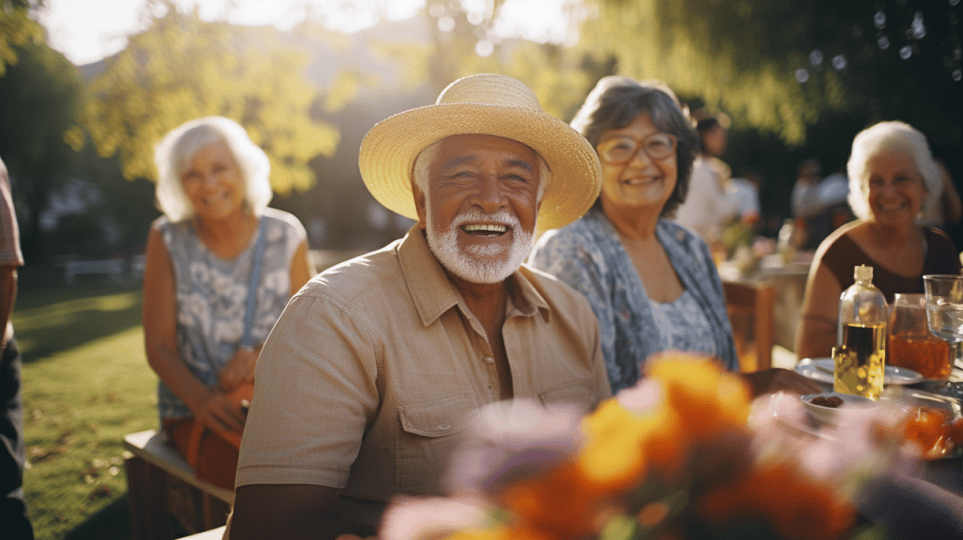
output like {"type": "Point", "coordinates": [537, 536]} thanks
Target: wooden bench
{"type": "Point", "coordinates": [155, 471]}
{"type": "Point", "coordinates": [114, 268]}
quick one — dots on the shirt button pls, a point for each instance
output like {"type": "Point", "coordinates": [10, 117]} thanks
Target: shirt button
{"type": "Point", "coordinates": [444, 426]}
{"type": "Point", "coordinates": [489, 360]}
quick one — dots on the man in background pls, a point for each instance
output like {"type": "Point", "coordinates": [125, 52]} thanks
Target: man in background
{"type": "Point", "coordinates": [820, 204]}
{"type": "Point", "coordinates": [13, 510]}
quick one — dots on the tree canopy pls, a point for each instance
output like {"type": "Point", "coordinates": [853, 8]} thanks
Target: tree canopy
{"type": "Point", "coordinates": [40, 97]}
{"type": "Point", "coordinates": [780, 65]}
{"type": "Point", "coordinates": [182, 68]}
{"type": "Point", "coordinates": [17, 28]}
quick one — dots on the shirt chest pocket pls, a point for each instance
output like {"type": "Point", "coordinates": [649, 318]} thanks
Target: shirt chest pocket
{"type": "Point", "coordinates": [429, 431]}
{"type": "Point", "coordinates": [575, 393]}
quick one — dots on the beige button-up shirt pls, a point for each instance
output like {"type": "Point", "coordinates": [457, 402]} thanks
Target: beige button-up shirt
{"type": "Point", "coordinates": [369, 375]}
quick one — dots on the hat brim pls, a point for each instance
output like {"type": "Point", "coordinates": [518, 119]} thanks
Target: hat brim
{"type": "Point", "coordinates": [389, 150]}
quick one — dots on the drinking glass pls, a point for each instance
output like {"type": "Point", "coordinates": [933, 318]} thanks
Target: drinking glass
{"type": "Point", "coordinates": [911, 344]}
{"type": "Point", "coordinates": [944, 313]}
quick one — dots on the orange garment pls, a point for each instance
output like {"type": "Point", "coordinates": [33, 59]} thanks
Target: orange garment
{"type": "Point", "coordinates": [217, 458]}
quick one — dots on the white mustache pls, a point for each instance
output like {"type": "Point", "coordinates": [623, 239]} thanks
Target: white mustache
{"type": "Point", "coordinates": [473, 216]}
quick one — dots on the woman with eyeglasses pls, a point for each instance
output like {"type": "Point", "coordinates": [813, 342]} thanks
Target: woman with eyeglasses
{"type": "Point", "coordinates": [651, 282]}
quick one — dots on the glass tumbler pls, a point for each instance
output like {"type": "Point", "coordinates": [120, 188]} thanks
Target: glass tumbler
{"type": "Point", "coordinates": [911, 344]}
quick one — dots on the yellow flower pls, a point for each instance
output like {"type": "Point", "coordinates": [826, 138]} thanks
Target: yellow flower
{"type": "Point", "coordinates": [706, 398]}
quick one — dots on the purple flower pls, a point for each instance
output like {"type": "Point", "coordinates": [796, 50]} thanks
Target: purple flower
{"type": "Point", "coordinates": [410, 518]}
{"type": "Point", "coordinates": [508, 441]}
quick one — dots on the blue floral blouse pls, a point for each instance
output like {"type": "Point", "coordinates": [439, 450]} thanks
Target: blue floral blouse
{"type": "Point", "coordinates": [212, 295]}
{"type": "Point", "coordinates": [589, 256]}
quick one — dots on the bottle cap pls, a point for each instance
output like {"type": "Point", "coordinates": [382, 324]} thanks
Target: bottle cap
{"type": "Point", "coordinates": [863, 273]}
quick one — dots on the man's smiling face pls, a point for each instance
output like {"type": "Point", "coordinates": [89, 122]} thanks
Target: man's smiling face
{"type": "Point", "coordinates": [480, 205]}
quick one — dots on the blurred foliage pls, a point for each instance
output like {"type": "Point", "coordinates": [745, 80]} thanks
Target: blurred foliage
{"type": "Point", "coordinates": [16, 29]}
{"type": "Point", "coordinates": [40, 97]}
{"type": "Point", "coordinates": [799, 80]}
{"type": "Point", "coordinates": [182, 68]}
{"type": "Point", "coordinates": [780, 66]}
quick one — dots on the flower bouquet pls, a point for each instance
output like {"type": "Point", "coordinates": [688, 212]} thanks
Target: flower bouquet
{"type": "Point", "coordinates": [683, 454]}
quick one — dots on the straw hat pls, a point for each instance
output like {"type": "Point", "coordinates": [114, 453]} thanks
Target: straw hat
{"type": "Point", "coordinates": [491, 105]}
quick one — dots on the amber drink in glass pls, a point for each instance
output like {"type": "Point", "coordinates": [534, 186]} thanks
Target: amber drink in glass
{"type": "Point", "coordinates": [911, 344]}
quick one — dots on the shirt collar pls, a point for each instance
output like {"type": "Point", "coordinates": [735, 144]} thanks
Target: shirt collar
{"type": "Point", "coordinates": [433, 293]}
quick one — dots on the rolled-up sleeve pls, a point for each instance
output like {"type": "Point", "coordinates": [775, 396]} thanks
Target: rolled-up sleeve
{"type": "Point", "coordinates": [315, 393]}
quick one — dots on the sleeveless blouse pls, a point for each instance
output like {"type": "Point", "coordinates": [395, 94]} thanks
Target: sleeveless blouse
{"type": "Point", "coordinates": [212, 294]}
{"type": "Point", "coordinates": [843, 254]}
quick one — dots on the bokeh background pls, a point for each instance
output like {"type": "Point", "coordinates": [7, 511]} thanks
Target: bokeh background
{"type": "Point", "coordinates": [87, 88]}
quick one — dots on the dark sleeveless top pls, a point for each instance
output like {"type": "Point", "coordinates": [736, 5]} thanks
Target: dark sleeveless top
{"type": "Point", "coordinates": [941, 257]}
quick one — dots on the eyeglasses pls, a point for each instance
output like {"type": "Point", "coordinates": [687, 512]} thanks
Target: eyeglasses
{"type": "Point", "coordinates": [622, 149]}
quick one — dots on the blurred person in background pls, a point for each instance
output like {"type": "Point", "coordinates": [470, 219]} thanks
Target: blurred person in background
{"type": "Point", "coordinates": [742, 192]}
{"type": "Point", "coordinates": [892, 177]}
{"type": "Point", "coordinates": [948, 210]}
{"type": "Point", "coordinates": [14, 519]}
{"type": "Point", "coordinates": [220, 268]}
{"type": "Point", "coordinates": [819, 203]}
{"type": "Point", "coordinates": [706, 206]}
{"type": "Point", "coordinates": [651, 282]}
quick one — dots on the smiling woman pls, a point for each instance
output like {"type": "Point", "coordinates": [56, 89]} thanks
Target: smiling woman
{"type": "Point", "coordinates": [892, 177]}
{"type": "Point", "coordinates": [651, 282]}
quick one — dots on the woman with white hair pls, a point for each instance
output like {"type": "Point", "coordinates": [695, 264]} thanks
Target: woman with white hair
{"type": "Point", "coordinates": [220, 268]}
{"type": "Point", "coordinates": [892, 178]}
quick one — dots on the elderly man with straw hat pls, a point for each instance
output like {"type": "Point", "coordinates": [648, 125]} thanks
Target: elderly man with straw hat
{"type": "Point", "coordinates": [366, 380]}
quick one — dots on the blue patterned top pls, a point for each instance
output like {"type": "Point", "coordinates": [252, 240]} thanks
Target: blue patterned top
{"type": "Point", "coordinates": [211, 296]}
{"type": "Point", "coordinates": [589, 256]}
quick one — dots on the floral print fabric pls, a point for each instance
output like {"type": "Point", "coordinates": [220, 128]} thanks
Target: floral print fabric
{"type": "Point", "coordinates": [589, 256]}
{"type": "Point", "coordinates": [212, 292]}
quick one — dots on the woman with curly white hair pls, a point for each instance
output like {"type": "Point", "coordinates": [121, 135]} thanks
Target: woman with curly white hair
{"type": "Point", "coordinates": [220, 268]}
{"type": "Point", "coordinates": [892, 178]}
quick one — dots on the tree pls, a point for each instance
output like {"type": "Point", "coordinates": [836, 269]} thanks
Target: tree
{"type": "Point", "coordinates": [16, 29]}
{"type": "Point", "coordinates": [39, 99]}
{"type": "Point", "coordinates": [183, 68]}
{"type": "Point", "coordinates": [39, 105]}
{"type": "Point", "coordinates": [781, 65]}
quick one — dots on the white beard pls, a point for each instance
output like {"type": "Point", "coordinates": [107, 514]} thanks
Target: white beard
{"type": "Point", "coordinates": [478, 264]}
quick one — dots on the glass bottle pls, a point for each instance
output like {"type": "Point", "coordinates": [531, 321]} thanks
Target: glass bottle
{"type": "Point", "coordinates": [860, 353]}
{"type": "Point", "coordinates": [786, 244]}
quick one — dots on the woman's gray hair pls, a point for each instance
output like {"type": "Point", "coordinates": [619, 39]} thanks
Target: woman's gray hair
{"type": "Point", "coordinates": [174, 153]}
{"type": "Point", "coordinates": [419, 172]}
{"type": "Point", "coordinates": [887, 137]}
{"type": "Point", "coordinates": [616, 102]}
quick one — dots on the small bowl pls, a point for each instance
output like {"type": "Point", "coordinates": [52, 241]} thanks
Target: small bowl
{"type": "Point", "coordinates": [830, 416]}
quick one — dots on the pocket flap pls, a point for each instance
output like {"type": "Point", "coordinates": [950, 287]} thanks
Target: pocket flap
{"type": "Point", "coordinates": [574, 393]}
{"type": "Point", "coordinates": [437, 417]}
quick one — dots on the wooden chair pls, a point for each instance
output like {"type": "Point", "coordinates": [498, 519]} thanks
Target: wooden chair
{"type": "Point", "coordinates": [750, 307]}
{"type": "Point", "coordinates": [161, 485]}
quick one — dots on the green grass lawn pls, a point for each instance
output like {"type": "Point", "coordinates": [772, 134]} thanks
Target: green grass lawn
{"type": "Point", "coordinates": [86, 384]}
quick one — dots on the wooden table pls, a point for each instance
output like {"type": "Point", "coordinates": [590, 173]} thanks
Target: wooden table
{"type": "Point", "coordinates": [789, 280]}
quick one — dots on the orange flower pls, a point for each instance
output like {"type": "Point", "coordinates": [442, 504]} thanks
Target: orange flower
{"type": "Point", "coordinates": [560, 503]}
{"type": "Point", "coordinates": [796, 506]}
{"type": "Point", "coordinates": [501, 532]}
{"type": "Point", "coordinates": [706, 398]}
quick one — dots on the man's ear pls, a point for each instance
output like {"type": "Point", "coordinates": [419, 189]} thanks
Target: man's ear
{"type": "Point", "coordinates": [420, 205]}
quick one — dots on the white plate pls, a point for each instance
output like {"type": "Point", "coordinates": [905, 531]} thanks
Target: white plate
{"type": "Point", "coordinates": [821, 370]}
